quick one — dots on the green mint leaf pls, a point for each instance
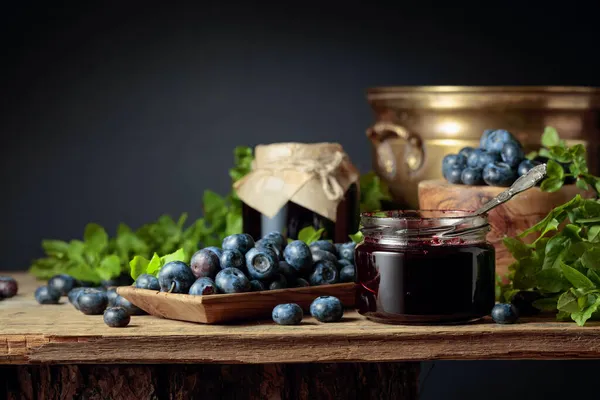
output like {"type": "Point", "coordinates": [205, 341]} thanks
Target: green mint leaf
{"type": "Point", "coordinates": [580, 317]}
{"type": "Point", "coordinates": [558, 213]}
{"type": "Point", "coordinates": [591, 258]}
{"type": "Point", "coordinates": [588, 220]}
{"type": "Point", "coordinates": [81, 271]}
{"type": "Point", "coordinates": [546, 304]}
{"type": "Point", "coordinates": [123, 229]}
{"type": "Point", "coordinates": [592, 233]}
{"type": "Point", "coordinates": [576, 278]}
{"type": "Point", "coordinates": [109, 267]}
{"type": "Point", "coordinates": [594, 277]}
{"type": "Point", "coordinates": [552, 225]}
{"type": "Point", "coordinates": [234, 222]}
{"type": "Point", "coordinates": [315, 236]}
{"type": "Point", "coordinates": [56, 248]}
{"type": "Point", "coordinates": [572, 232]}
{"type": "Point", "coordinates": [138, 266]}
{"type": "Point", "coordinates": [582, 184]}
{"type": "Point", "coordinates": [563, 316]}
{"type": "Point", "coordinates": [555, 251]}
{"type": "Point", "coordinates": [372, 191]}
{"type": "Point", "coordinates": [560, 154]}
{"type": "Point", "coordinates": [306, 234]}
{"type": "Point", "coordinates": [75, 251]}
{"type": "Point", "coordinates": [554, 170]}
{"type": "Point", "coordinates": [551, 281]}
{"type": "Point", "coordinates": [567, 302]}
{"type": "Point", "coordinates": [154, 265]}
{"type": "Point", "coordinates": [578, 153]}
{"type": "Point", "coordinates": [181, 221]}
{"type": "Point", "coordinates": [95, 237]}
{"type": "Point", "coordinates": [550, 137]}
{"type": "Point", "coordinates": [545, 153]}
{"type": "Point", "coordinates": [531, 155]}
{"type": "Point", "coordinates": [357, 237]}
{"type": "Point", "coordinates": [551, 185]}
{"type": "Point", "coordinates": [517, 248]}
{"type": "Point", "coordinates": [178, 255]}
{"type": "Point", "coordinates": [290, 240]}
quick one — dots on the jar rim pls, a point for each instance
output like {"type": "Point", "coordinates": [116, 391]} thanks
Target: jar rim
{"type": "Point", "coordinates": [426, 214]}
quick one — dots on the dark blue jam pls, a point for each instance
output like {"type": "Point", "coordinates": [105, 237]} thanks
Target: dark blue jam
{"type": "Point", "coordinates": [425, 283]}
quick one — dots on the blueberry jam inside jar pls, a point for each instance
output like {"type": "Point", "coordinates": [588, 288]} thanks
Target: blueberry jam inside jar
{"type": "Point", "coordinates": [425, 267]}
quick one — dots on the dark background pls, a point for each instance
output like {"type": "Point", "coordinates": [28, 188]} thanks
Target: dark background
{"type": "Point", "coordinates": [121, 112]}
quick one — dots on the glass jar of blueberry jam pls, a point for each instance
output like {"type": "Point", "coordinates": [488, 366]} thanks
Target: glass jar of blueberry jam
{"type": "Point", "coordinates": [425, 267]}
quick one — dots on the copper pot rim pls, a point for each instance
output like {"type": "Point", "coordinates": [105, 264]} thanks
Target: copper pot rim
{"type": "Point", "coordinates": [571, 90]}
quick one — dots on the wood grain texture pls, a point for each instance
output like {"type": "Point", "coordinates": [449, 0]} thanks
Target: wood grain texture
{"type": "Point", "coordinates": [272, 381]}
{"type": "Point", "coordinates": [231, 307]}
{"type": "Point", "coordinates": [510, 218]}
{"type": "Point", "coordinates": [32, 333]}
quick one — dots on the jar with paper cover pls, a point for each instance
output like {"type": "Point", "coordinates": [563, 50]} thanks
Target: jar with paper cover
{"type": "Point", "coordinates": [296, 185]}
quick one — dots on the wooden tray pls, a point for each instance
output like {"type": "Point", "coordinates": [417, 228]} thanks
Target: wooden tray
{"type": "Point", "coordinates": [217, 308]}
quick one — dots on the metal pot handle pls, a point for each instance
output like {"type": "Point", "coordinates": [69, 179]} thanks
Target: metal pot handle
{"type": "Point", "coordinates": [379, 134]}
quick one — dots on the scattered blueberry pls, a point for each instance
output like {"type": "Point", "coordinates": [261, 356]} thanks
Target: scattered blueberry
{"type": "Point", "coordinates": [497, 139]}
{"type": "Point", "coordinates": [324, 245]}
{"type": "Point", "coordinates": [523, 301]}
{"type": "Point", "coordinates": [453, 174]}
{"type": "Point", "coordinates": [257, 286]}
{"type": "Point", "coordinates": [346, 251]}
{"type": "Point", "coordinates": [480, 158]}
{"type": "Point", "coordinates": [147, 281]}
{"type": "Point", "coordinates": [298, 255]}
{"type": "Point", "coordinates": [8, 287]}
{"type": "Point", "coordinates": [505, 313]}
{"type": "Point", "coordinates": [472, 176]}
{"type": "Point", "coordinates": [499, 174]}
{"type": "Point", "coordinates": [217, 250]}
{"type": "Point", "coordinates": [525, 166]}
{"type": "Point", "coordinates": [325, 273]}
{"type": "Point", "coordinates": [466, 151]}
{"type": "Point", "coordinates": [327, 309]}
{"type": "Point", "coordinates": [232, 259]}
{"type": "Point", "coordinates": [348, 274]}
{"type": "Point", "coordinates": [232, 280]}
{"type": "Point", "coordinates": [176, 277]}
{"type": "Point", "coordinates": [205, 263]}
{"type": "Point", "coordinates": [241, 242]}
{"type": "Point", "coordinates": [287, 314]}
{"type": "Point", "coordinates": [116, 317]}
{"type": "Point", "coordinates": [92, 302]}
{"type": "Point", "coordinates": [261, 263]}
{"type": "Point", "coordinates": [204, 286]}
{"type": "Point", "coordinates": [301, 282]}
{"type": "Point", "coordinates": [62, 283]}
{"type": "Point", "coordinates": [111, 296]}
{"type": "Point", "coordinates": [454, 161]}
{"type": "Point", "coordinates": [47, 295]}
{"type": "Point", "coordinates": [278, 283]}
{"type": "Point", "coordinates": [72, 295]}
{"type": "Point", "coordinates": [271, 245]}
{"type": "Point", "coordinates": [320, 255]}
{"type": "Point", "coordinates": [512, 154]}
{"type": "Point", "coordinates": [131, 308]}
{"type": "Point", "coordinates": [484, 137]}
{"type": "Point", "coordinates": [277, 238]}
{"type": "Point", "coordinates": [288, 271]}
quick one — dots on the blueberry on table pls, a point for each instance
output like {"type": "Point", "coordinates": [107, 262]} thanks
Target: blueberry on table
{"type": "Point", "coordinates": [499, 174]}
{"type": "Point", "coordinates": [276, 237]}
{"type": "Point", "coordinates": [505, 313]}
{"type": "Point", "coordinates": [232, 259]}
{"type": "Point", "coordinates": [454, 161]}
{"type": "Point", "coordinates": [205, 263]}
{"type": "Point", "coordinates": [497, 139]}
{"type": "Point", "coordinates": [480, 158]}
{"type": "Point", "coordinates": [8, 287]}
{"type": "Point", "coordinates": [278, 283]}
{"type": "Point", "coordinates": [257, 286]}
{"type": "Point", "coordinates": [525, 166]}
{"type": "Point", "coordinates": [484, 137]}
{"type": "Point", "coordinates": [232, 280]}
{"type": "Point", "coordinates": [298, 255]}
{"type": "Point", "coordinates": [147, 281]}
{"type": "Point", "coordinates": [241, 242]}
{"type": "Point", "coordinates": [287, 314]}
{"type": "Point", "coordinates": [271, 245]}
{"type": "Point", "coordinates": [512, 154]}
{"type": "Point", "coordinates": [217, 250]}
{"type": "Point", "coordinates": [111, 296]}
{"type": "Point", "coordinates": [176, 277]}
{"type": "Point", "coordinates": [72, 295]}
{"type": "Point", "coordinates": [346, 251]}
{"type": "Point", "coordinates": [466, 151]}
{"type": "Point", "coordinates": [322, 255]}
{"type": "Point", "coordinates": [523, 301]}
{"type": "Point", "coordinates": [131, 308]}
{"type": "Point", "coordinates": [47, 295]}
{"type": "Point", "coordinates": [122, 280]}
{"type": "Point", "coordinates": [116, 317]}
{"type": "Point", "coordinates": [472, 176]}
{"type": "Point", "coordinates": [323, 245]}
{"type": "Point", "coordinates": [204, 286]}
{"type": "Point", "coordinates": [92, 302]}
{"type": "Point", "coordinates": [289, 272]}
{"type": "Point", "coordinates": [453, 174]}
{"type": "Point", "coordinates": [301, 282]}
{"type": "Point", "coordinates": [62, 283]}
{"type": "Point", "coordinates": [327, 309]}
{"type": "Point", "coordinates": [348, 274]}
{"type": "Point", "coordinates": [261, 263]}
{"type": "Point", "coordinates": [325, 273]}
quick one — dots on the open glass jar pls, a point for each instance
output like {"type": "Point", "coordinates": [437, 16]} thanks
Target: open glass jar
{"type": "Point", "coordinates": [428, 266]}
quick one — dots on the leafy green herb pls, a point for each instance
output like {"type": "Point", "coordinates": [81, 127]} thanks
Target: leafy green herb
{"type": "Point", "coordinates": [140, 265]}
{"type": "Point", "coordinates": [372, 192]}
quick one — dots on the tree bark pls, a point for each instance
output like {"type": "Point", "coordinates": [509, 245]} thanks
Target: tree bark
{"type": "Point", "coordinates": [206, 381]}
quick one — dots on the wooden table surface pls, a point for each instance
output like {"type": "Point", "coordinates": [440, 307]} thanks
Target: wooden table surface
{"type": "Point", "coordinates": [33, 333]}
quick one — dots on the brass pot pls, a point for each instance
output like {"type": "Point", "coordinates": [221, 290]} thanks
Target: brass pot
{"type": "Point", "coordinates": [417, 126]}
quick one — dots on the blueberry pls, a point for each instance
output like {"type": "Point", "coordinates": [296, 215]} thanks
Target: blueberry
{"type": "Point", "coordinates": [241, 242]}
{"type": "Point", "coordinates": [175, 277]}
{"type": "Point", "coordinates": [466, 151]}
{"type": "Point", "coordinates": [72, 295]}
{"type": "Point", "coordinates": [287, 314]}
{"type": "Point", "coordinates": [232, 259]}
{"type": "Point", "coordinates": [525, 166]}
{"type": "Point", "coordinates": [131, 308]}
{"type": "Point", "coordinates": [298, 255]}
{"type": "Point", "coordinates": [497, 139]}
{"type": "Point", "coordinates": [278, 283]}
{"type": "Point", "coordinates": [472, 176]}
{"type": "Point", "coordinates": [348, 274]}
{"type": "Point", "coordinates": [342, 263]}
{"type": "Point", "coordinates": [327, 309]}
{"type": "Point", "coordinates": [204, 286]}
{"type": "Point", "coordinates": [116, 317]}
{"type": "Point", "coordinates": [480, 158]}
{"type": "Point", "coordinates": [257, 286]}
{"type": "Point", "coordinates": [337, 247]}
{"type": "Point", "coordinates": [301, 282]}
{"type": "Point", "coordinates": [323, 245]}
{"type": "Point", "coordinates": [217, 250]}
{"type": "Point", "coordinates": [111, 296]}
{"type": "Point", "coordinates": [62, 283]}
{"type": "Point", "coordinates": [47, 295]}
{"type": "Point", "coordinates": [271, 245]}
{"type": "Point", "coordinates": [452, 175]}
{"type": "Point", "coordinates": [8, 287]}
{"type": "Point", "coordinates": [288, 271]}
{"type": "Point", "coordinates": [122, 280]}
{"type": "Point", "coordinates": [232, 280]}
{"type": "Point", "coordinates": [484, 137]}
{"type": "Point", "coordinates": [454, 161]}
{"type": "Point", "coordinates": [499, 174]}
{"type": "Point", "coordinates": [505, 313]}
{"type": "Point", "coordinates": [346, 251]}
{"type": "Point", "coordinates": [261, 263]}
{"type": "Point", "coordinates": [512, 154]}
{"type": "Point", "coordinates": [205, 263]}
{"type": "Point", "coordinates": [92, 302]}
{"type": "Point", "coordinates": [523, 301]}
{"type": "Point", "coordinates": [320, 255]}
{"type": "Point", "coordinates": [147, 281]}
{"type": "Point", "coordinates": [277, 238]}
{"type": "Point", "coordinates": [325, 273]}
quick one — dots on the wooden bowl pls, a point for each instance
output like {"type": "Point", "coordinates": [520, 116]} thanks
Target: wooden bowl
{"type": "Point", "coordinates": [510, 218]}
{"type": "Point", "coordinates": [218, 308]}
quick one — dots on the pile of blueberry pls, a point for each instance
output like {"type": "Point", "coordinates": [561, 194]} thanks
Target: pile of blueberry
{"type": "Point", "coordinates": [498, 161]}
{"type": "Point", "coordinates": [323, 309]}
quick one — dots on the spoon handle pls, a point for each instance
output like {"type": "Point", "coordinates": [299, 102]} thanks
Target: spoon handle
{"type": "Point", "coordinates": [524, 182]}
